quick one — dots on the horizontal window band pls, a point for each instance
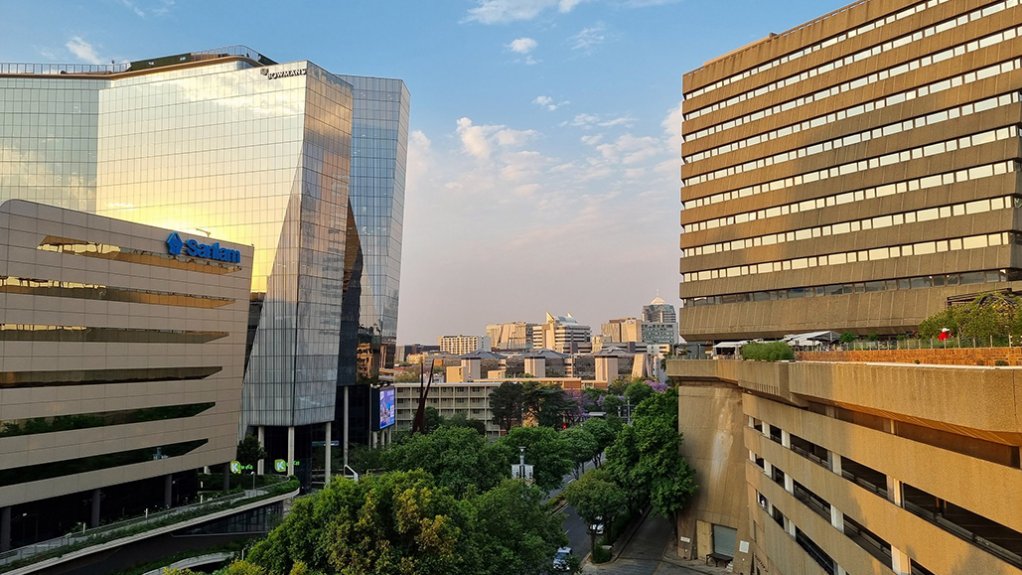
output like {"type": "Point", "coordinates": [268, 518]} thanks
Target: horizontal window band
{"type": "Point", "coordinates": [918, 282]}
{"type": "Point", "coordinates": [131, 255]}
{"type": "Point", "coordinates": [36, 425]}
{"type": "Point", "coordinates": [20, 379]}
{"type": "Point", "coordinates": [75, 334]}
{"type": "Point", "coordinates": [54, 288]}
{"type": "Point", "coordinates": [29, 473]}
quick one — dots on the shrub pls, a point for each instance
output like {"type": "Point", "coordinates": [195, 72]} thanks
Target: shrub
{"type": "Point", "coordinates": [768, 351]}
{"type": "Point", "coordinates": [601, 554]}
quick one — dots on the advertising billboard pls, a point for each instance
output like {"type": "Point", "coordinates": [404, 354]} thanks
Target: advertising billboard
{"type": "Point", "coordinates": [384, 413]}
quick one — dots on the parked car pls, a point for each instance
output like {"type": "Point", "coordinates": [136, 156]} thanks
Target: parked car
{"type": "Point", "coordinates": [561, 559]}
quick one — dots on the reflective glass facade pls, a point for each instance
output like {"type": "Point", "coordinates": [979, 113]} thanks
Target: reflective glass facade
{"type": "Point", "coordinates": [234, 146]}
{"type": "Point", "coordinates": [379, 151]}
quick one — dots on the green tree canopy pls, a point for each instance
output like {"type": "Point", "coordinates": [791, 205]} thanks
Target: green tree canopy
{"type": "Point", "coordinates": [398, 522]}
{"type": "Point", "coordinates": [249, 450]}
{"type": "Point", "coordinates": [515, 533]}
{"type": "Point", "coordinates": [405, 524]}
{"type": "Point", "coordinates": [458, 457]}
{"type": "Point", "coordinates": [603, 432]}
{"type": "Point", "coordinates": [507, 404]}
{"type": "Point", "coordinates": [545, 450]}
{"type": "Point", "coordinates": [637, 391]}
{"type": "Point", "coordinates": [596, 497]}
{"type": "Point", "coordinates": [990, 315]}
{"type": "Point", "coordinates": [582, 446]}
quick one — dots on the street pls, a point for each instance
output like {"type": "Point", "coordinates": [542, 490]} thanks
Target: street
{"type": "Point", "coordinates": [647, 553]}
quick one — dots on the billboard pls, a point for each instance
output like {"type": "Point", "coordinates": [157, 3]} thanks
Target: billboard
{"type": "Point", "coordinates": [384, 413]}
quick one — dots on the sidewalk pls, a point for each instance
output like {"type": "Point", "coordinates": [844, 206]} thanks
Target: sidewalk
{"type": "Point", "coordinates": [651, 551]}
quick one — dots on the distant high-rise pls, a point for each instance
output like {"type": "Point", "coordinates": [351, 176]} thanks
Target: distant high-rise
{"type": "Point", "coordinates": [516, 336]}
{"type": "Point", "coordinates": [462, 344]}
{"type": "Point", "coordinates": [659, 322]}
{"type": "Point", "coordinates": [562, 334]}
{"type": "Point", "coordinates": [622, 330]}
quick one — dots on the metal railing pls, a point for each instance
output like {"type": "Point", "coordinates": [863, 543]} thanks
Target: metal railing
{"type": "Point", "coordinates": [110, 531]}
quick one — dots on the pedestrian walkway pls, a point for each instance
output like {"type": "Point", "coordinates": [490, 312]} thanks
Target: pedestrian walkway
{"type": "Point", "coordinates": [650, 551]}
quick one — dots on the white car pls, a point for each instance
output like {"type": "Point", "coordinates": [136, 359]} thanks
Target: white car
{"type": "Point", "coordinates": [561, 559]}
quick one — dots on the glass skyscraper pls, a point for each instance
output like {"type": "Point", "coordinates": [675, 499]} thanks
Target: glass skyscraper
{"type": "Point", "coordinates": [305, 165]}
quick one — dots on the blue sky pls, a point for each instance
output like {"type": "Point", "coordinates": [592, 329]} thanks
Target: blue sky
{"type": "Point", "coordinates": [543, 158]}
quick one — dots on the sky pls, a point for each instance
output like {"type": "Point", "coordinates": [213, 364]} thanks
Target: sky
{"type": "Point", "coordinates": [543, 161]}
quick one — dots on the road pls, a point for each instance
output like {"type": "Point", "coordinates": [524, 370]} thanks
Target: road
{"type": "Point", "coordinates": [574, 527]}
{"type": "Point", "coordinates": [645, 555]}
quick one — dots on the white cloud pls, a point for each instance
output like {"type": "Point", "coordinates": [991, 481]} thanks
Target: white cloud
{"type": "Point", "coordinates": [83, 50]}
{"type": "Point", "coordinates": [520, 205]}
{"type": "Point", "coordinates": [590, 121]}
{"type": "Point", "coordinates": [504, 11]}
{"type": "Point", "coordinates": [587, 39]}
{"type": "Point", "coordinates": [548, 103]}
{"type": "Point", "coordinates": [143, 8]}
{"type": "Point", "coordinates": [479, 140]}
{"type": "Point", "coordinates": [522, 45]}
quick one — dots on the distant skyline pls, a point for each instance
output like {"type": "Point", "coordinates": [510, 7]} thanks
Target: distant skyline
{"type": "Point", "coordinates": [544, 152]}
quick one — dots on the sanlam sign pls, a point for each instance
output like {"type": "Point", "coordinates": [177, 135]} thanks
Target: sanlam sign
{"type": "Point", "coordinates": [176, 246]}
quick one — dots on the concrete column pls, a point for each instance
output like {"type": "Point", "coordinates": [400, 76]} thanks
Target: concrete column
{"type": "Point", "coordinates": [837, 519]}
{"type": "Point", "coordinates": [768, 468]}
{"type": "Point", "coordinates": [786, 439]}
{"type": "Point", "coordinates": [900, 562]}
{"type": "Point", "coordinates": [789, 526]}
{"type": "Point", "coordinates": [5, 529]}
{"type": "Point", "coordinates": [894, 493]}
{"type": "Point", "coordinates": [789, 483]}
{"type": "Point", "coordinates": [344, 432]}
{"type": "Point", "coordinates": [835, 463]}
{"type": "Point", "coordinates": [227, 477]}
{"type": "Point", "coordinates": [839, 570]}
{"type": "Point", "coordinates": [327, 454]}
{"type": "Point", "coordinates": [94, 516]}
{"type": "Point", "coordinates": [764, 428]}
{"type": "Point", "coordinates": [291, 451]}
{"type": "Point", "coordinates": [261, 436]}
{"type": "Point", "coordinates": [168, 490]}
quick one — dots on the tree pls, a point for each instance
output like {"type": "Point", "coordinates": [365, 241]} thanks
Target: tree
{"type": "Point", "coordinates": [462, 420]}
{"type": "Point", "coordinates": [646, 457]}
{"type": "Point", "coordinates": [250, 452]}
{"type": "Point", "coordinates": [398, 522]}
{"type": "Point", "coordinates": [596, 497]}
{"type": "Point", "coordinates": [637, 391]}
{"type": "Point", "coordinates": [544, 450]}
{"type": "Point", "coordinates": [459, 458]}
{"type": "Point", "coordinates": [403, 523]}
{"type": "Point", "coordinates": [549, 404]}
{"type": "Point", "coordinates": [672, 491]}
{"type": "Point", "coordinates": [507, 404]}
{"type": "Point", "coordinates": [514, 532]}
{"type": "Point", "coordinates": [603, 432]}
{"type": "Point", "coordinates": [582, 446]}
{"type": "Point", "coordinates": [432, 417]}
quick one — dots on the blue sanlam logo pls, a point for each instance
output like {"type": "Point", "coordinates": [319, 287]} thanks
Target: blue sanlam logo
{"type": "Point", "coordinates": [176, 246]}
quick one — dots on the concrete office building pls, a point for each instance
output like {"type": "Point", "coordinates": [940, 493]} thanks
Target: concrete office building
{"type": "Point", "coordinates": [562, 334]}
{"type": "Point", "coordinates": [659, 323]}
{"type": "Point", "coordinates": [230, 143]}
{"type": "Point", "coordinates": [515, 336]}
{"type": "Point", "coordinates": [121, 366]}
{"type": "Point", "coordinates": [462, 344]}
{"type": "Point", "coordinates": [855, 173]}
{"type": "Point", "coordinates": [623, 330]}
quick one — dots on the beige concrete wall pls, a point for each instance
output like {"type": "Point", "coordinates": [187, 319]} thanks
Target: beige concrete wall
{"type": "Point", "coordinates": [710, 421]}
{"type": "Point", "coordinates": [23, 227]}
